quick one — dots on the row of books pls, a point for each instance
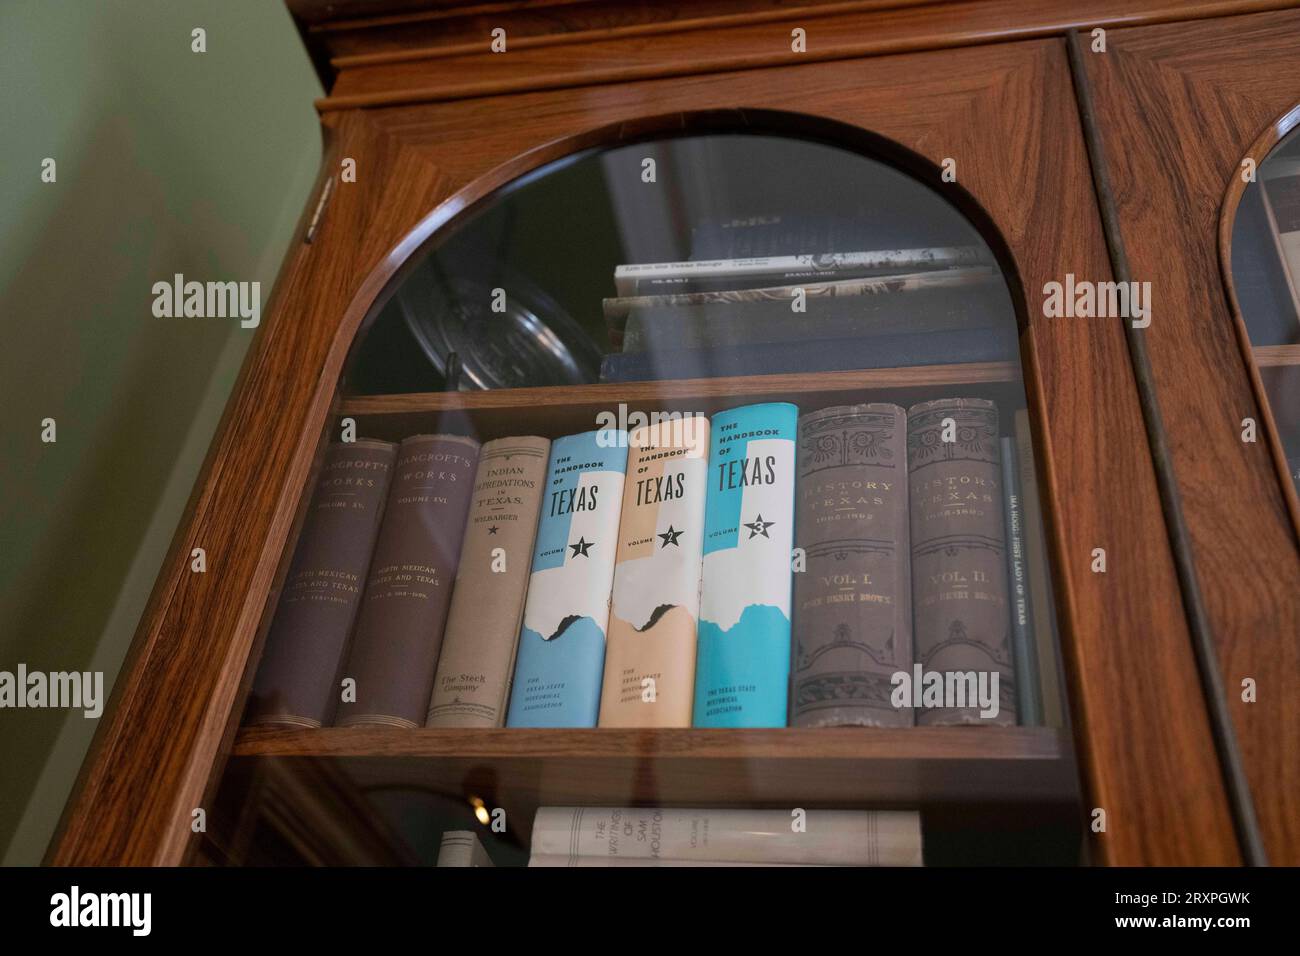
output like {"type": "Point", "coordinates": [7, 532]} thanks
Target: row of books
{"type": "Point", "coordinates": [657, 836]}
{"type": "Point", "coordinates": [650, 578]}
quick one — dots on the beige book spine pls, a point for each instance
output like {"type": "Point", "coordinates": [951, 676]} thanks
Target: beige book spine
{"type": "Point", "coordinates": [472, 683]}
{"type": "Point", "coordinates": [649, 678]}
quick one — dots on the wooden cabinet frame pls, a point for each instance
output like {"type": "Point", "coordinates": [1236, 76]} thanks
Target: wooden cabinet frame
{"type": "Point", "coordinates": [1006, 112]}
{"type": "Point", "coordinates": [1180, 107]}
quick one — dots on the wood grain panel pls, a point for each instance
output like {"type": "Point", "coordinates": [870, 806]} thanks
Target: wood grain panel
{"type": "Point", "coordinates": [1180, 107]}
{"type": "Point", "coordinates": [1006, 113]}
{"type": "Point", "coordinates": [711, 45]}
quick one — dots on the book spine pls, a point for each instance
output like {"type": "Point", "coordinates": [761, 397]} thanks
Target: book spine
{"type": "Point", "coordinates": [650, 657]}
{"type": "Point", "coordinates": [562, 642]}
{"type": "Point", "coordinates": [297, 681]}
{"type": "Point", "coordinates": [472, 683]}
{"type": "Point", "coordinates": [462, 848]}
{"type": "Point", "coordinates": [731, 323]}
{"type": "Point", "coordinates": [900, 350]}
{"type": "Point", "coordinates": [826, 837]}
{"type": "Point", "coordinates": [1041, 605]}
{"type": "Point", "coordinates": [743, 670]}
{"type": "Point", "coordinates": [827, 265]}
{"type": "Point", "coordinates": [1029, 703]}
{"type": "Point", "coordinates": [841, 288]}
{"type": "Point", "coordinates": [399, 629]}
{"type": "Point", "coordinates": [853, 599]}
{"type": "Point", "coordinates": [959, 571]}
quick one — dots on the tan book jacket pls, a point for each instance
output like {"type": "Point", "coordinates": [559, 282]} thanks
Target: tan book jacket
{"type": "Point", "coordinates": [650, 650]}
{"type": "Point", "coordinates": [472, 684]}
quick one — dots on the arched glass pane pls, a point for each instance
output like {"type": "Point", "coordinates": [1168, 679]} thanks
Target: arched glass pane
{"type": "Point", "coordinates": [691, 257]}
{"type": "Point", "coordinates": [1266, 276]}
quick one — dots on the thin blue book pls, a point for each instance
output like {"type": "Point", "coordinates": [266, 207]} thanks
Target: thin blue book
{"type": "Point", "coordinates": [743, 663]}
{"type": "Point", "coordinates": [561, 658]}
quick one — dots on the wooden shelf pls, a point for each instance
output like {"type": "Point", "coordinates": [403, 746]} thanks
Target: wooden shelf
{"type": "Point", "coordinates": [559, 410]}
{"type": "Point", "coordinates": [834, 767]}
{"type": "Point", "coordinates": [1272, 355]}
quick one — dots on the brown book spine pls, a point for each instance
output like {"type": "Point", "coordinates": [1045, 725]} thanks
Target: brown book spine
{"type": "Point", "coordinates": [408, 591]}
{"type": "Point", "coordinates": [853, 600]}
{"type": "Point", "coordinates": [297, 681]}
{"type": "Point", "coordinates": [472, 683]}
{"type": "Point", "coordinates": [959, 570]}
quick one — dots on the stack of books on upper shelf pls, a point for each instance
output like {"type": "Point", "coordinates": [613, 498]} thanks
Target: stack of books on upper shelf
{"type": "Point", "coordinates": [857, 565]}
{"type": "Point", "coordinates": [743, 306]}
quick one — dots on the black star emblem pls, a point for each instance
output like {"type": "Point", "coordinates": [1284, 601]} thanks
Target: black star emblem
{"type": "Point", "coordinates": [493, 529]}
{"type": "Point", "coordinates": [759, 526]}
{"type": "Point", "coordinates": [582, 547]}
{"type": "Point", "coordinates": [670, 537]}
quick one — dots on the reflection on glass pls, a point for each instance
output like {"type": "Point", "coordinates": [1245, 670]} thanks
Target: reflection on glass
{"type": "Point", "coordinates": [1266, 274]}
{"type": "Point", "coordinates": [692, 257]}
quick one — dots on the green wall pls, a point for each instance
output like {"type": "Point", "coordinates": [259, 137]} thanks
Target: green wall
{"type": "Point", "coordinates": [167, 161]}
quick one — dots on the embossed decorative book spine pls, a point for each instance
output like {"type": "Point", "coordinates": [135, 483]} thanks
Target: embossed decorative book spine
{"type": "Point", "coordinates": [297, 682]}
{"type": "Point", "coordinates": [742, 676]}
{"type": "Point", "coordinates": [853, 600]}
{"type": "Point", "coordinates": [561, 656]}
{"type": "Point", "coordinates": [472, 683]}
{"type": "Point", "coordinates": [962, 623]}
{"type": "Point", "coordinates": [399, 629]}
{"type": "Point", "coordinates": [650, 657]}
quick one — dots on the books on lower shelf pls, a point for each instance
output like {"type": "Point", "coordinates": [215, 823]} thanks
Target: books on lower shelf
{"type": "Point", "coordinates": [846, 567]}
{"type": "Point", "coordinates": [616, 836]}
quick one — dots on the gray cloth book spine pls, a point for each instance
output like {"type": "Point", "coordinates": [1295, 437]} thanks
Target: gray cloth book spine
{"type": "Point", "coordinates": [297, 683]}
{"type": "Point", "coordinates": [408, 590]}
{"type": "Point", "coordinates": [472, 684]}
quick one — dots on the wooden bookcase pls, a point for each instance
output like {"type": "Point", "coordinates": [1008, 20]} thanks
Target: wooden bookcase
{"type": "Point", "coordinates": [435, 124]}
